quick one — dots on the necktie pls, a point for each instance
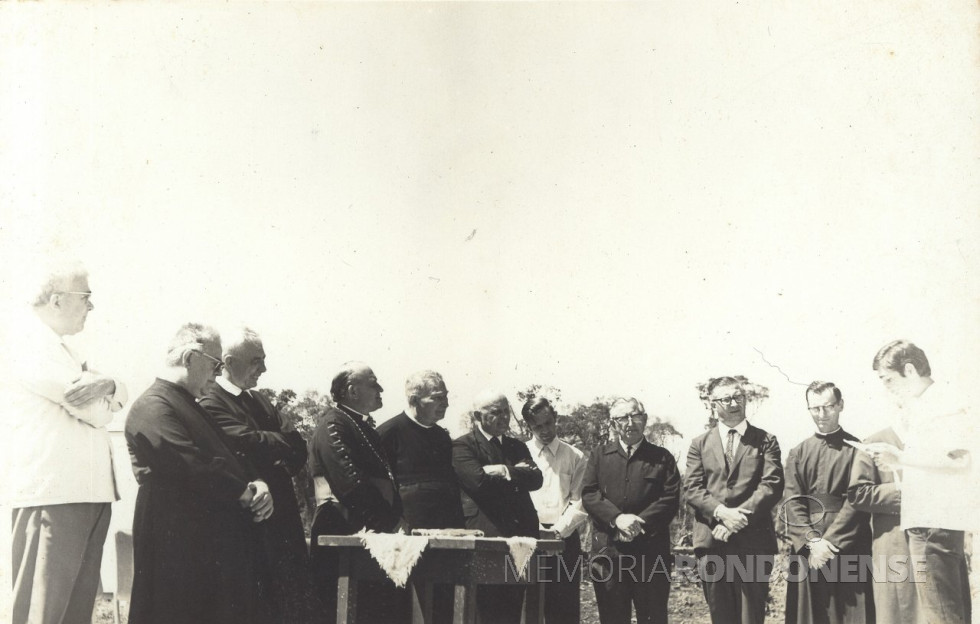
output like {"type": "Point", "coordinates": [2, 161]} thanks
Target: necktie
{"type": "Point", "coordinates": [629, 451]}
{"type": "Point", "coordinates": [730, 448]}
{"type": "Point", "coordinates": [496, 442]}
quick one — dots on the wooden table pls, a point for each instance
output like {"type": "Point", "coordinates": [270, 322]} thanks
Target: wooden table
{"type": "Point", "coordinates": [464, 562]}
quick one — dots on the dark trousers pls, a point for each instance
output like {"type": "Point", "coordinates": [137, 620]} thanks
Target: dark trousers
{"type": "Point", "coordinates": [378, 602]}
{"type": "Point", "coordinates": [562, 575]}
{"type": "Point", "coordinates": [942, 584]}
{"type": "Point", "coordinates": [734, 598]}
{"type": "Point", "coordinates": [623, 581]}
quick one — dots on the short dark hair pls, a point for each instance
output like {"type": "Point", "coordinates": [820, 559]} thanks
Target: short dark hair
{"type": "Point", "coordinates": [896, 354]}
{"type": "Point", "coordinates": [822, 386]}
{"type": "Point", "coordinates": [534, 405]}
{"type": "Point", "coordinates": [723, 381]}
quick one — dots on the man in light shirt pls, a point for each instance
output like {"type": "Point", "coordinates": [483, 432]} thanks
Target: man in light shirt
{"type": "Point", "coordinates": [57, 456]}
{"type": "Point", "coordinates": [559, 507]}
{"type": "Point", "coordinates": [938, 482]}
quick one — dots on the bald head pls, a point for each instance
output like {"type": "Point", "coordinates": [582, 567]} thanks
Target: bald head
{"type": "Point", "coordinates": [355, 386]}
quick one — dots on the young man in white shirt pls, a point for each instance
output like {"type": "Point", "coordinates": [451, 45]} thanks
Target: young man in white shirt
{"type": "Point", "coordinates": [938, 482]}
{"type": "Point", "coordinates": [559, 506]}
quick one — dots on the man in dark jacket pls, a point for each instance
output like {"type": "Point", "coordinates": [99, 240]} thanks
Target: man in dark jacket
{"type": "Point", "coordinates": [495, 473]}
{"type": "Point", "coordinates": [355, 487]}
{"type": "Point", "coordinates": [257, 431]}
{"type": "Point", "coordinates": [193, 531]}
{"type": "Point", "coordinates": [420, 454]}
{"type": "Point", "coordinates": [831, 539]}
{"type": "Point", "coordinates": [734, 478]}
{"type": "Point", "coordinates": [632, 491]}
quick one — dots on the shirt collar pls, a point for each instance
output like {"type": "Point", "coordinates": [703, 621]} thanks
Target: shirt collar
{"type": "Point", "coordinates": [625, 446]}
{"type": "Point", "coordinates": [487, 435]}
{"type": "Point", "coordinates": [232, 389]}
{"type": "Point", "coordinates": [539, 448]}
{"type": "Point", "coordinates": [351, 410]}
{"type": "Point", "coordinates": [740, 428]}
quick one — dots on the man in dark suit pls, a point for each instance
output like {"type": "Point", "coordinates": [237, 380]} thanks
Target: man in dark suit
{"type": "Point", "coordinates": [257, 431]}
{"type": "Point", "coordinates": [632, 491]}
{"type": "Point", "coordinates": [734, 478]}
{"type": "Point", "coordinates": [193, 537]}
{"type": "Point", "coordinates": [495, 474]}
{"type": "Point", "coordinates": [355, 488]}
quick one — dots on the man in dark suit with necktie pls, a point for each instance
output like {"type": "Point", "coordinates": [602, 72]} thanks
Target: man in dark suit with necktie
{"type": "Point", "coordinates": [257, 431]}
{"type": "Point", "coordinates": [734, 478]}
{"type": "Point", "coordinates": [632, 491]}
{"type": "Point", "coordinates": [495, 473]}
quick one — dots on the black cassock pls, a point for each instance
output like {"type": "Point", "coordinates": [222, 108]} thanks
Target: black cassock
{"type": "Point", "coordinates": [817, 477]}
{"type": "Point", "coordinates": [254, 430]}
{"type": "Point", "coordinates": [193, 543]}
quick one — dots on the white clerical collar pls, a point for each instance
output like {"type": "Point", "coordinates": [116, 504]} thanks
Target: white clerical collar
{"type": "Point", "coordinates": [416, 420]}
{"type": "Point", "coordinates": [740, 428]}
{"type": "Point", "coordinates": [487, 435]}
{"type": "Point", "coordinates": [553, 446]}
{"type": "Point", "coordinates": [352, 410]}
{"type": "Point", "coordinates": [232, 389]}
{"type": "Point", "coordinates": [821, 434]}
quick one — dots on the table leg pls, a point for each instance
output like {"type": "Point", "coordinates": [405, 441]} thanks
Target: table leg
{"type": "Point", "coordinates": [534, 604]}
{"type": "Point", "coordinates": [464, 605]}
{"type": "Point", "coordinates": [346, 590]}
{"type": "Point", "coordinates": [421, 601]}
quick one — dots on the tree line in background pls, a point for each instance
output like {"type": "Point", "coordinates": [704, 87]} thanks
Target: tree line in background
{"type": "Point", "coordinates": [584, 426]}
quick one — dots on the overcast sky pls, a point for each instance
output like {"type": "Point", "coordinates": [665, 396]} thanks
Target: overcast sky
{"type": "Point", "coordinates": [613, 199]}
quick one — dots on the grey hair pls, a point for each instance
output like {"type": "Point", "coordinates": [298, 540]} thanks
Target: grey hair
{"type": "Point", "coordinates": [421, 383]}
{"type": "Point", "coordinates": [53, 276]}
{"type": "Point", "coordinates": [240, 337]}
{"type": "Point", "coordinates": [190, 337]}
{"type": "Point", "coordinates": [624, 401]}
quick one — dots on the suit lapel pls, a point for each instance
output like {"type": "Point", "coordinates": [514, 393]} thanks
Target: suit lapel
{"type": "Point", "coordinates": [748, 439]}
{"type": "Point", "coordinates": [713, 448]}
{"type": "Point", "coordinates": [490, 449]}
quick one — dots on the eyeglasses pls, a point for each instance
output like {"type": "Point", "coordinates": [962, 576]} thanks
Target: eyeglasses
{"type": "Point", "coordinates": [823, 408]}
{"type": "Point", "coordinates": [622, 420]}
{"type": "Point", "coordinates": [218, 364]}
{"type": "Point", "coordinates": [722, 401]}
{"type": "Point", "coordinates": [86, 294]}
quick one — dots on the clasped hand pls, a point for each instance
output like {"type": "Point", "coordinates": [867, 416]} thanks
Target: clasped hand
{"type": "Point", "coordinates": [821, 551]}
{"type": "Point", "coordinates": [734, 519]}
{"type": "Point", "coordinates": [88, 388]}
{"type": "Point", "coordinates": [258, 500]}
{"type": "Point", "coordinates": [629, 526]}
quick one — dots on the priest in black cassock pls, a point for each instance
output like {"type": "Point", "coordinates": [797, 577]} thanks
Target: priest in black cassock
{"type": "Point", "coordinates": [257, 431]}
{"type": "Point", "coordinates": [830, 572]}
{"type": "Point", "coordinates": [420, 454]}
{"type": "Point", "coordinates": [194, 535]}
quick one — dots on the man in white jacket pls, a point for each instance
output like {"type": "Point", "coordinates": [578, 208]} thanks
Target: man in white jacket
{"type": "Point", "coordinates": [57, 458]}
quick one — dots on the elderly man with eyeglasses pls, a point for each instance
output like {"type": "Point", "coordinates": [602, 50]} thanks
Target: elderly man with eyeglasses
{"type": "Point", "coordinates": [194, 531]}
{"type": "Point", "coordinates": [733, 480]}
{"type": "Point", "coordinates": [631, 489]}
{"type": "Point", "coordinates": [57, 459]}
